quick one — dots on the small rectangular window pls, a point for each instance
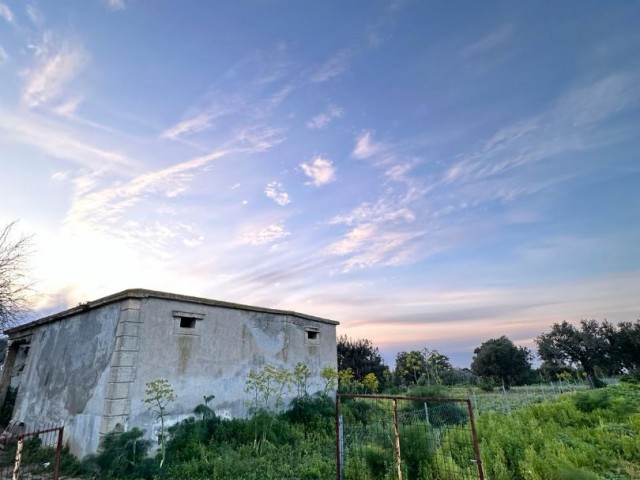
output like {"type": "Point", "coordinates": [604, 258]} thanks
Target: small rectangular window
{"type": "Point", "coordinates": [311, 336]}
{"type": "Point", "coordinates": [187, 322]}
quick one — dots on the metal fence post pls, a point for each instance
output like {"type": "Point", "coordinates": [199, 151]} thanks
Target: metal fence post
{"type": "Point", "coordinates": [474, 436]}
{"type": "Point", "coordinates": [339, 441]}
{"type": "Point", "coordinates": [18, 459]}
{"type": "Point", "coordinates": [397, 438]}
{"type": "Point", "coordinates": [56, 464]}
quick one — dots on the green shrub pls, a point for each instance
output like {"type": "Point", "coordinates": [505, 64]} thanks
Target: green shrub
{"type": "Point", "coordinates": [312, 412]}
{"type": "Point", "coordinates": [487, 385]}
{"type": "Point", "coordinates": [122, 455]}
{"type": "Point", "coordinates": [379, 460]}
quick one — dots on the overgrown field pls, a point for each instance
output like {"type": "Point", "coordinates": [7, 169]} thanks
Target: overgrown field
{"type": "Point", "coordinates": [582, 435]}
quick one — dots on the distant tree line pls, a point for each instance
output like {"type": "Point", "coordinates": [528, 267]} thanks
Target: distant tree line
{"type": "Point", "coordinates": [590, 349]}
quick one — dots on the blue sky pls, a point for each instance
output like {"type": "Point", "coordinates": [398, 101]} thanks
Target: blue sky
{"type": "Point", "coordinates": [431, 174]}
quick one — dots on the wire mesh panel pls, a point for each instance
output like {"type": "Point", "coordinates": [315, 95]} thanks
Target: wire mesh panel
{"type": "Point", "coordinates": [31, 455]}
{"type": "Point", "coordinates": [405, 438]}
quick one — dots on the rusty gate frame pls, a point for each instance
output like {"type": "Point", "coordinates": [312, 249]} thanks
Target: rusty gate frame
{"type": "Point", "coordinates": [20, 439]}
{"type": "Point", "coordinates": [395, 398]}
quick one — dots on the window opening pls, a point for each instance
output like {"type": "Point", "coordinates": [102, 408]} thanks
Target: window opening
{"type": "Point", "coordinates": [313, 335]}
{"type": "Point", "coordinates": [187, 322]}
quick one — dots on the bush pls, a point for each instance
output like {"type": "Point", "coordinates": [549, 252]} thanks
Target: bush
{"type": "Point", "coordinates": [122, 455]}
{"type": "Point", "coordinates": [487, 385]}
{"type": "Point", "coordinates": [312, 412]}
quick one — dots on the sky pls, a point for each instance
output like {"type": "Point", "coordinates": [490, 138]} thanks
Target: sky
{"type": "Point", "coordinates": [429, 173]}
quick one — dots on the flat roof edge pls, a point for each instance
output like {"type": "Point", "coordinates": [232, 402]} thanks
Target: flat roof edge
{"type": "Point", "coordinates": [144, 293]}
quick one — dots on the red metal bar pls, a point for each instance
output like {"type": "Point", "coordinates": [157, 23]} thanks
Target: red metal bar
{"type": "Point", "coordinates": [400, 397]}
{"type": "Point", "coordinates": [56, 462]}
{"type": "Point", "coordinates": [31, 434]}
{"type": "Point", "coordinates": [476, 448]}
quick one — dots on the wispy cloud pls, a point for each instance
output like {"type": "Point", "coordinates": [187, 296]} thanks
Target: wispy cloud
{"type": "Point", "coordinates": [102, 207]}
{"type": "Point", "coordinates": [192, 125]}
{"type": "Point", "coordinates": [595, 102]}
{"type": "Point", "coordinates": [268, 234]}
{"type": "Point", "coordinates": [6, 13]}
{"type": "Point", "coordinates": [366, 147]}
{"type": "Point", "coordinates": [35, 15]}
{"type": "Point", "coordinates": [334, 67]}
{"type": "Point", "coordinates": [258, 138]}
{"type": "Point", "coordinates": [68, 106]}
{"type": "Point", "coordinates": [490, 41]}
{"type": "Point", "coordinates": [370, 244]}
{"type": "Point", "coordinates": [566, 127]}
{"type": "Point", "coordinates": [381, 211]}
{"type": "Point", "coordinates": [278, 97]}
{"type": "Point", "coordinates": [275, 191]}
{"type": "Point", "coordinates": [54, 139]}
{"type": "Point", "coordinates": [380, 234]}
{"type": "Point", "coordinates": [323, 119]}
{"type": "Point", "coordinates": [116, 4]}
{"type": "Point", "coordinates": [4, 56]}
{"type": "Point", "coordinates": [320, 170]}
{"type": "Point", "coordinates": [59, 63]}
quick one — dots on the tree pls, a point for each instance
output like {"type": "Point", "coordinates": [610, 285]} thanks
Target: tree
{"type": "Point", "coordinates": [159, 394]}
{"type": "Point", "coordinates": [500, 359]}
{"type": "Point", "coordinates": [437, 365]}
{"type": "Point", "coordinates": [624, 344]}
{"type": "Point", "coordinates": [361, 357]}
{"type": "Point", "coordinates": [410, 366]}
{"type": "Point", "coordinates": [585, 346]}
{"type": "Point", "coordinates": [15, 286]}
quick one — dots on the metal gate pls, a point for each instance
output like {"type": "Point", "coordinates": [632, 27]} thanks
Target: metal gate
{"type": "Point", "coordinates": [31, 455]}
{"type": "Point", "coordinates": [380, 437]}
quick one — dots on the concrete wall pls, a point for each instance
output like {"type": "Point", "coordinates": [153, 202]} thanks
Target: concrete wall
{"type": "Point", "coordinates": [88, 370]}
{"type": "Point", "coordinates": [216, 356]}
{"type": "Point", "coordinates": [66, 373]}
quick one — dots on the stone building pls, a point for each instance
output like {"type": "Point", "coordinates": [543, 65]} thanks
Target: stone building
{"type": "Point", "coordinates": [87, 367]}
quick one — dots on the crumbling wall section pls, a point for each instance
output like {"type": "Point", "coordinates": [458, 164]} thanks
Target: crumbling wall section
{"type": "Point", "coordinates": [66, 375]}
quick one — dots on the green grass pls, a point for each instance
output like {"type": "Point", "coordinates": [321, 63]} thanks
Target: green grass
{"type": "Point", "coordinates": [582, 435]}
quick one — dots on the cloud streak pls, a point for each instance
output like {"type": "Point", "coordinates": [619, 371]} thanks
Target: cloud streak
{"type": "Point", "coordinates": [116, 4]}
{"type": "Point", "coordinates": [200, 122]}
{"type": "Point", "coordinates": [491, 41]}
{"type": "Point", "coordinates": [365, 147]}
{"type": "Point", "coordinates": [6, 13]}
{"type": "Point", "coordinates": [60, 63]}
{"type": "Point", "coordinates": [102, 207]}
{"type": "Point", "coordinates": [334, 67]}
{"type": "Point", "coordinates": [380, 234]}
{"type": "Point", "coordinates": [323, 119]}
{"type": "Point", "coordinates": [563, 129]}
{"type": "Point", "coordinates": [54, 139]}
{"type": "Point", "coordinates": [269, 234]}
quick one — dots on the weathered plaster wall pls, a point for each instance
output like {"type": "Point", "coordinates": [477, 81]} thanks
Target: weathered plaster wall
{"type": "Point", "coordinates": [216, 356]}
{"type": "Point", "coordinates": [66, 374]}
